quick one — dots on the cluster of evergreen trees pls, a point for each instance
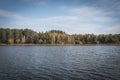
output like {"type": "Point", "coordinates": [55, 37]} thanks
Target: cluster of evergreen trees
{"type": "Point", "coordinates": [28, 36]}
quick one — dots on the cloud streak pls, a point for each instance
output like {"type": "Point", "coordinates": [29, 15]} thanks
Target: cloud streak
{"type": "Point", "coordinates": [12, 15]}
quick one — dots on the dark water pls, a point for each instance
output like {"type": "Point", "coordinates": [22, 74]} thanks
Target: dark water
{"type": "Point", "coordinates": [59, 62]}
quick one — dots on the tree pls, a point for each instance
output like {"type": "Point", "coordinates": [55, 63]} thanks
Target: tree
{"type": "Point", "coordinates": [3, 36]}
{"type": "Point", "coordinates": [36, 39]}
{"type": "Point", "coordinates": [25, 36]}
{"type": "Point", "coordinates": [10, 41]}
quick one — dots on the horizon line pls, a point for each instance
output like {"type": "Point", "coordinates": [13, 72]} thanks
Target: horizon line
{"type": "Point", "coordinates": [59, 30]}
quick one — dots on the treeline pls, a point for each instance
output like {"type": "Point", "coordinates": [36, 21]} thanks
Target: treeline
{"type": "Point", "coordinates": [28, 36]}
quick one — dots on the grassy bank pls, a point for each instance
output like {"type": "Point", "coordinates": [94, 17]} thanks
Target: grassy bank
{"type": "Point", "coordinates": [59, 44]}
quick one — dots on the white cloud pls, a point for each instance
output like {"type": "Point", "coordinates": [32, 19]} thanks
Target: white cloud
{"type": "Point", "coordinates": [114, 29]}
{"type": "Point", "coordinates": [78, 20]}
{"type": "Point", "coordinates": [94, 14]}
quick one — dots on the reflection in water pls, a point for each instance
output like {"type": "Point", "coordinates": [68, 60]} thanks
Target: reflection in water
{"type": "Point", "coordinates": [59, 62]}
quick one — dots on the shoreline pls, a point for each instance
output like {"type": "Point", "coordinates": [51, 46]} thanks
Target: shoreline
{"type": "Point", "coordinates": [59, 44]}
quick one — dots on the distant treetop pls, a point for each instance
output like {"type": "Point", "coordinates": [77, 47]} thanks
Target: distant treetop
{"type": "Point", "coordinates": [56, 31]}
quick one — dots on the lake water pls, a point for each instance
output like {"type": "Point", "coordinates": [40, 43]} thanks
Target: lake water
{"type": "Point", "coordinates": [59, 62]}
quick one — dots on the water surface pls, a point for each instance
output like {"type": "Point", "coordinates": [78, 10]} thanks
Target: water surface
{"type": "Point", "coordinates": [59, 62]}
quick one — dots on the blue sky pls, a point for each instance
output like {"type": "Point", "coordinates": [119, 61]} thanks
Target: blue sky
{"type": "Point", "coordinates": [71, 16]}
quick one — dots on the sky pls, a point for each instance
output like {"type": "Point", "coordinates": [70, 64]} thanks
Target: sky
{"type": "Point", "coordinates": [71, 16]}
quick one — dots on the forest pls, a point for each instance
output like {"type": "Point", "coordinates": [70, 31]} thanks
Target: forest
{"type": "Point", "coordinates": [28, 36]}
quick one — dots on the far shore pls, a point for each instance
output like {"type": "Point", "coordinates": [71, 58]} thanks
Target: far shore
{"type": "Point", "coordinates": [59, 44]}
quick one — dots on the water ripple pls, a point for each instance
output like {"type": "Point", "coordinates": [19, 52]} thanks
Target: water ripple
{"type": "Point", "coordinates": [60, 63]}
